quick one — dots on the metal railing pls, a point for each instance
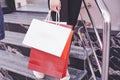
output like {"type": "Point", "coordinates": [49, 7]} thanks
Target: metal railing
{"type": "Point", "coordinates": [106, 37]}
{"type": "Point", "coordinates": [105, 44]}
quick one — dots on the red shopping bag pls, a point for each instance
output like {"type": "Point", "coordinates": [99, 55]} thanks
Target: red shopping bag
{"type": "Point", "coordinates": [50, 64]}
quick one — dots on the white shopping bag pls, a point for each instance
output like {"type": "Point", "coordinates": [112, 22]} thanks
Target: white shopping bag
{"type": "Point", "coordinates": [50, 38]}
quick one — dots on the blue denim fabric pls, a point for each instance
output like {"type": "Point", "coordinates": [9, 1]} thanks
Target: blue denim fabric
{"type": "Point", "coordinates": [2, 33]}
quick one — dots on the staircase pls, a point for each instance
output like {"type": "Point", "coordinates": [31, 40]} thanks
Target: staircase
{"type": "Point", "coordinates": [14, 56]}
{"type": "Point", "coordinates": [15, 60]}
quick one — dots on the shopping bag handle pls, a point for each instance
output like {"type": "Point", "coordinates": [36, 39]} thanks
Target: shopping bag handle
{"type": "Point", "coordinates": [49, 17]}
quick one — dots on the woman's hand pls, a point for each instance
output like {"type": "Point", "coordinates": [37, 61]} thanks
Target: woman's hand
{"type": "Point", "coordinates": [55, 5]}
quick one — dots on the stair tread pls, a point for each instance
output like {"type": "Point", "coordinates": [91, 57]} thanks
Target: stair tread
{"type": "Point", "coordinates": [79, 53]}
{"type": "Point", "coordinates": [18, 64]}
{"type": "Point", "coordinates": [23, 17]}
{"type": "Point", "coordinates": [16, 38]}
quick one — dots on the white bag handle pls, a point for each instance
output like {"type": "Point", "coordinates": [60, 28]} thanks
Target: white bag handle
{"type": "Point", "coordinates": [49, 17]}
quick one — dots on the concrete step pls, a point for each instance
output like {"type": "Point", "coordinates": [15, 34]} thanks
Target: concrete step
{"type": "Point", "coordinates": [15, 63]}
{"type": "Point", "coordinates": [16, 38]}
{"type": "Point", "coordinates": [18, 64]}
{"type": "Point", "coordinates": [79, 53]}
{"type": "Point", "coordinates": [24, 17]}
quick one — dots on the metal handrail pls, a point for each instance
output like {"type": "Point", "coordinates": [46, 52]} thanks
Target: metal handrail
{"type": "Point", "coordinates": [91, 19]}
{"type": "Point", "coordinates": [97, 35]}
{"type": "Point", "coordinates": [85, 52]}
{"type": "Point", "coordinates": [104, 10]}
{"type": "Point", "coordinates": [106, 37]}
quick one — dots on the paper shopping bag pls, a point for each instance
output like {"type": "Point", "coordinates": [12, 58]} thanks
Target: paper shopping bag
{"type": "Point", "coordinates": [50, 64]}
{"type": "Point", "coordinates": [48, 37]}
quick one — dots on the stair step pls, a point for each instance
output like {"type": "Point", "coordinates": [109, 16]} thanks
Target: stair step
{"type": "Point", "coordinates": [16, 38]}
{"type": "Point", "coordinates": [18, 64]}
{"type": "Point", "coordinates": [23, 17]}
{"type": "Point", "coordinates": [15, 63]}
{"type": "Point", "coordinates": [77, 74]}
{"type": "Point", "coordinates": [78, 52]}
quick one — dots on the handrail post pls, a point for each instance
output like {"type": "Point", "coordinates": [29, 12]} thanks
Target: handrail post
{"type": "Point", "coordinates": [106, 38]}
{"type": "Point", "coordinates": [106, 51]}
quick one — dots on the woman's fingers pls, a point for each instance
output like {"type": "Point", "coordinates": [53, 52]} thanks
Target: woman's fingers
{"type": "Point", "coordinates": [55, 5]}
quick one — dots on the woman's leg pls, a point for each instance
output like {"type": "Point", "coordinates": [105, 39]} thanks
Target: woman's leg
{"type": "Point", "coordinates": [73, 11]}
